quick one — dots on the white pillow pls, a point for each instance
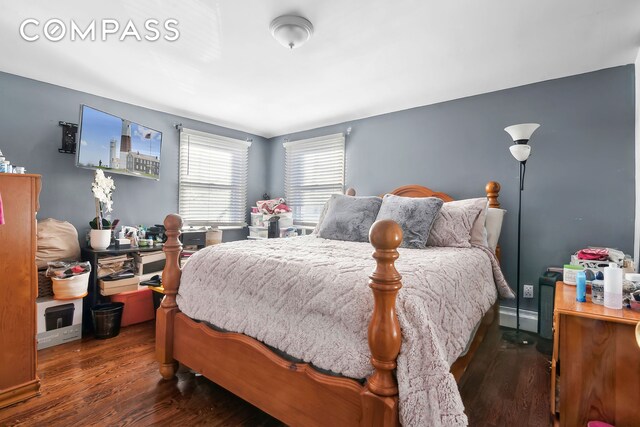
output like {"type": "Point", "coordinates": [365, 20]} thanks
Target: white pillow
{"type": "Point", "coordinates": [494, 226]}
{"type": "Point", "coordinates": [479, 229]}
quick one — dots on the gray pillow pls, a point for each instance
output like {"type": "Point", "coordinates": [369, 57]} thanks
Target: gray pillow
{"type": "Point", "coordinates": [349, 218]}
{"type": "Point", "coordinates": [414, 214]}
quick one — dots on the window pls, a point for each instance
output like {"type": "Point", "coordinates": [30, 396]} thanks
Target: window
{"type": "Point", "coordinates": [213, 179]}
{"type": "Point", "coordinates": [314, 170]}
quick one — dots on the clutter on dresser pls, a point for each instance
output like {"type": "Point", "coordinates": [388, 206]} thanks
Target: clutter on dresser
{"type": "Point", "coordinates": [7, 167]}
{"type": "Point", "coordinates": [608, 275]}
{"type": "Point", "coordinates": [593, 260]}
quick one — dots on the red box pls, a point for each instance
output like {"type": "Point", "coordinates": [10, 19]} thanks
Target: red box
{"type": "Point", "coordinates": [138, 306]}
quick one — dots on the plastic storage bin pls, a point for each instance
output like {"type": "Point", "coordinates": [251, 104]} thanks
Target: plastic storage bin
{"type": "Point", "coordinates": [138, 306]}
{"type": "Point", "coordinates": [259, 232]}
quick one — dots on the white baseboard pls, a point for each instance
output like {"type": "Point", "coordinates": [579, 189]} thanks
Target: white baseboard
{"type": "Point", "coordinates": [528, 319]}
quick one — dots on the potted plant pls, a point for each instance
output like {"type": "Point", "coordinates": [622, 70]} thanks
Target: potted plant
{"type": "Point", "coordinates": [102, 188]}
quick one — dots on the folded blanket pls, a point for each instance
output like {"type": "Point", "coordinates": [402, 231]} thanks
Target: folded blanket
{"type": "Point", "coordinates": [309, 297]}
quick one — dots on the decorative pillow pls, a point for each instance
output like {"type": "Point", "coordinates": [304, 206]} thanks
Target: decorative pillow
{"type": "Point", "coordinates": [453, 224]}
{"type": "Point", "coordinates": [414, 214]}
{"type": "Point", "coordinates": [479, 231]}
{"type": "Point", "coordinates": [321, 218]}
{"type": "Point", "coordinates": [494, 226]}
{"type": "Point", "coordinates": [349, 218]}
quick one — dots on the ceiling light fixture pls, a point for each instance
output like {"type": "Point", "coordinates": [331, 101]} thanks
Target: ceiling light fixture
{"type": "Point", "coordinates": [291, 31]}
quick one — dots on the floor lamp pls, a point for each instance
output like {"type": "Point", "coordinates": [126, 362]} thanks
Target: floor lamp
{"type": "Point", "coordinates": [521, 150]}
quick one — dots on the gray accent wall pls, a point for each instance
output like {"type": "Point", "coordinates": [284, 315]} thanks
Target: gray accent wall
{"type": "Point", "coordinates": [30, 137]}
{"type": "Point", "coordinates": [580, 181]}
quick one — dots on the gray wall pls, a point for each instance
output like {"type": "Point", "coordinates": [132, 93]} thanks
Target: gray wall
{"type": "Point", "coordinates": [579, 188]}
{"type": "Point", "coordinates": [29, 115]}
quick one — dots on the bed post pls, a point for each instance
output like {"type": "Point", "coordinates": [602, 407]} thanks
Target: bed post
{"type": "Point", "coordinates": [168, 309]}
{"type": "Point", "coordinates": [493, 191]}
{"type": "Point", "coordinates": [380, 396]}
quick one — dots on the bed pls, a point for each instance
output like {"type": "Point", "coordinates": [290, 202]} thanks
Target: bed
{"type": "Point", "coordinates": [286, 332]}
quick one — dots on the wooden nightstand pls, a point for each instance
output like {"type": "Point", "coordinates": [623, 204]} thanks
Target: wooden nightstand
{"type": "Point", "coordinates": [599, 374]}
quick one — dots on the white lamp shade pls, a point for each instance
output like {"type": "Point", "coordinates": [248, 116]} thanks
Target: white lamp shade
{"type": "Point", "coordinates": [520, 151]}
{"type": "Point", "coordinates": [522, 131]}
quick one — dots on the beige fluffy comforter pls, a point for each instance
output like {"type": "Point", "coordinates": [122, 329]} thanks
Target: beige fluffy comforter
{"type": "Point", "coordinates": [309, 297]}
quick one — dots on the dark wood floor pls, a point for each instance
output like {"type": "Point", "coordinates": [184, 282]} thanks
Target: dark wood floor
{"type": "Point", "coordinates": [116, 382]}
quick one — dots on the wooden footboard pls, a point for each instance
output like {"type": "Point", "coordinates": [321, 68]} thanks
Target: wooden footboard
{"type": "Point", "coordinates": [295, 393]}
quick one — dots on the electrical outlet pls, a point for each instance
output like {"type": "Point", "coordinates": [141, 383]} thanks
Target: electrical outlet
{"type": "Point", "coordinates": [528, 291]}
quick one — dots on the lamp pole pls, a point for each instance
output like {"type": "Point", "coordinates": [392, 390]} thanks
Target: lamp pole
{"type": "Point", "coordinates": [521, 152]}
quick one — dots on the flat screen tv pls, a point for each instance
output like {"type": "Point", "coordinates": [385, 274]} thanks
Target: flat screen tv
{"type": "Point", "coordinates": [117, 145]}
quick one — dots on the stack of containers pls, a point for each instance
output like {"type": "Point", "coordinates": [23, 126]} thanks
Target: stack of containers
{"type": "Point", "coordinates": [7, 167]}
{"type": "Point", "coordinates": [259, 227]}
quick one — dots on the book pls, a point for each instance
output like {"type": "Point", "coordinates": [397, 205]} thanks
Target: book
{"type": "Point", "coordinates": [112, 287]}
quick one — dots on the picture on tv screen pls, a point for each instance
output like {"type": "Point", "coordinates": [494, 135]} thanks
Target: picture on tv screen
{"type": "Point", "coordinates": [118, 145]}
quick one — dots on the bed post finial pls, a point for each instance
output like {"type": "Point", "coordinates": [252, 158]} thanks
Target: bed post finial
{"type": "Point", "coordinates": [493, 191]}
{"type": "Point", "coordinates": [350, 191]}
{"type": "Point", "coordinates": [167, 311]}
{"type": "Point", "coordinates": [380, 397]}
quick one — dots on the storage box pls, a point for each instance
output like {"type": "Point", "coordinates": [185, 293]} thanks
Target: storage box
{"type": "Point", "coordinates": [138, 306]}
{"type": "Point", "coordinates": [256, 219]}
{"type": "Point", "coordinates": [112, 287]}
{"type": "Point", "coordinates": [259, 232]}
{"type": "Point", "coordinates": [58, 321]}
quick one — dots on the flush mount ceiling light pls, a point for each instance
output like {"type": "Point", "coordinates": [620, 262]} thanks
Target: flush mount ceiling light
{"type": "Point", "coordinates": [291, 31]}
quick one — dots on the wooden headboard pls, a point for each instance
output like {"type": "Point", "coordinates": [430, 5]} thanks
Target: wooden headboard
{"type": "Point", "coordinates": [492, 189]}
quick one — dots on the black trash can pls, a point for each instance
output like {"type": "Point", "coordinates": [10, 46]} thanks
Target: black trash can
{"type": "Point", "coordinates": [107, 319]}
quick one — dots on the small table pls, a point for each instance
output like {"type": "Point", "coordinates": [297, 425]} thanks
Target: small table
{"type": "Point", "coordinates": [600, 374]}
{"type": "Point", "coordinates": [94, 297]}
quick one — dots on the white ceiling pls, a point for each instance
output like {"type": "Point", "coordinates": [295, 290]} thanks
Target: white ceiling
{"type": "Point", "coordinates": [366, 57]}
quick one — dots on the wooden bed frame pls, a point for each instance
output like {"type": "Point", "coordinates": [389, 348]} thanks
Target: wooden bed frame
{"type": "Point", "coordinates": [296, 393]}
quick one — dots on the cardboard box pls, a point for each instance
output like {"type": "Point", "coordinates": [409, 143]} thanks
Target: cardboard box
{"type": "Point", "coordinates": [112, 287]}
{"type": "Point", "coordinates": [58, 321]}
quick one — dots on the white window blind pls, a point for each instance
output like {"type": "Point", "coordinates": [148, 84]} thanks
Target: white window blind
{"type": "Point", "coordinates": [314, 170]}
{"type": "Point", "coordinates": [213, 179]}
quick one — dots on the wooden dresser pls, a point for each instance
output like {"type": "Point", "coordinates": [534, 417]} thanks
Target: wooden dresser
{"type": "Point", "coordinates": [18, 288]}
{"type": "Point", "coordinates": [596, 362]}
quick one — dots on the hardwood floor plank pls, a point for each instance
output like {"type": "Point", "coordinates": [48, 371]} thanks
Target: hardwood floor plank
{"type": "Point", "coordinates": [116, 382]}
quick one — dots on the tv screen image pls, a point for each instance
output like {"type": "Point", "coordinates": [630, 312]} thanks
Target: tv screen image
{"type": "Point", "coordinates": [118, 145]}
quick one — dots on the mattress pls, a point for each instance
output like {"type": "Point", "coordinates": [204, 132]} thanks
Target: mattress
{"type": "Point", "coordinates": [308, 297]}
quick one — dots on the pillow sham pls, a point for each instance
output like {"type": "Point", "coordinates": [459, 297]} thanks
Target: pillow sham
{"type": "Point", "coordinates": [414, 214]}
{"type": "Point", "coordinates": [494, 226]}
{"type": "Point", "coordinates": [453, 224]}
{"type": "Point", "coordinates": [478, 230]}
{"type": "Point", "coordinates": [349, 218]}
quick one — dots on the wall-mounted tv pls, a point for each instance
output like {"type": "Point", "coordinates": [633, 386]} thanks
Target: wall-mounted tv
{"type": "Point", "coordinates": [117, 145]}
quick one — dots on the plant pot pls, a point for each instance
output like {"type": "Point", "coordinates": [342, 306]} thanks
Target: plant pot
{"type": "Point", "coordinates": [100, 239]}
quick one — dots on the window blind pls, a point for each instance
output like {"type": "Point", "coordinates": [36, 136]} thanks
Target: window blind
{"type": "Point", "coordinates": [213, 179]}
{"type": "Point", "coordinates": [314, 170]}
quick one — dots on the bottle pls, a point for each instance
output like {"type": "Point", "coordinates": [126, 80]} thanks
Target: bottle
{"type": "Point", "coordinates": [581, 286]}
{"type": "Point", "coordinates": [613, 286]}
